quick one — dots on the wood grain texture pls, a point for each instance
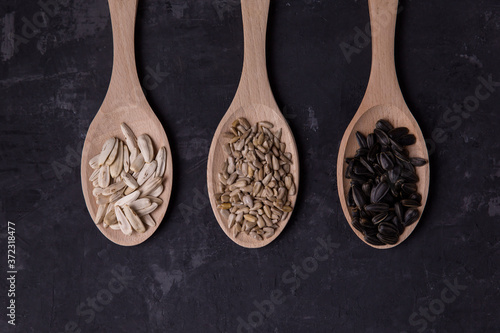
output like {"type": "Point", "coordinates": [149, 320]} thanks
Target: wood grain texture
{"type": "Point", "coordinates": [383, 100]}
{"type": "Point", "coordinates": [254, 101]}
{"type": "Point", "coordinates": [124, 102]}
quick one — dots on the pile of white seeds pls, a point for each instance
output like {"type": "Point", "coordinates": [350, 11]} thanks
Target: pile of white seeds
{"type": "Point", "coordinates": [127, 182]}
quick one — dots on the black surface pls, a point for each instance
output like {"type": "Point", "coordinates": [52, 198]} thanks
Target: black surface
{"type": "Point", "coordinates": [189, 277]}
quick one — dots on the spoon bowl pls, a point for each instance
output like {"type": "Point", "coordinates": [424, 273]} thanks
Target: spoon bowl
{"type": "Point", "coordinates": [255, 102]}
{"type": "Point", "coordinates": [124, 103]}
{"type": "Point", "coordinates": [383, 100]}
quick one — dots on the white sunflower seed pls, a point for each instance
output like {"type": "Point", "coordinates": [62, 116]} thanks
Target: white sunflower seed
{"type": "Point", "coordinates": [161, 160]}
{"type": "Point", "coordinates": [101, 211]}
{"type": "Point", "coordinates": [116, 167]}
{"type": "Point", "coordinates": [137, 164]}
{"type": "Point", "coordinates": [147, 171]}
{"type": "Point", "coordinates": [134, 219]}
{"type": "Point", "coordinates": [106, 150]}
{"type": "Point", "coordinates": [147, 210]}
{"type": "Point", "coordinates": [146, 146]}
{"type": "Point", "coordinates": [124, 224]}
{"type": "Point", "coordinates": [94, 162]}
{"type": "Point", "coordinates": [148, 220]}
{"type": "Point", "coordinates": [130, 181]}
{"type": "Point", "coordinates": [128, 199]}
{"type": "Point", "coordinates": [114, 152]}
{"type": "Point", "coordinates": [140, 204]}
{"type": "Point", "coordinates": [104, 177]}
{"type": "Point", "coordinates": [94, 175]}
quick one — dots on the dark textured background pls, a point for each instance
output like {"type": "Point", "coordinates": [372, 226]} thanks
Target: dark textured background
{"type": "Point", "coordinates": [189, 277]}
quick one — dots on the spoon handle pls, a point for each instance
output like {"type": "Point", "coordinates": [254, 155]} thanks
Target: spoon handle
{"type": "Point", "coordinates": [124, 78]}
{"type": "Point", "coordinates": [383, 15]}
{"type": "Point", "coordinates": [254, 74]}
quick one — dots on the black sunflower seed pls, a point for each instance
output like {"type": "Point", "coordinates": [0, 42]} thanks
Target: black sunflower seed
{"type": "Point", "coordinates": [384, 125]}
{"type": "Point", "coordinates": [379, 218]}
{"type": "Point", "coordinates": [373, 240]}
{"type": "Point", "coordinates": [379, 192]}
{"type": "Point", "coordinates": [348, 171]}
{"type": "Point", "coordinates": [372, 154]}
{"type": "Point", "coordinates": [367, 188]}
{"type": "Point", "coordinates": [350, 199]}
{"type": "Point", "coordinates": [370, 140]}
{"type": "Point", "coordinates": [407, 140]}
{"type": "Point", "coordinates": [398, 132]}
{"type": "Point", "coordinates": [409, 188]}
{"type": "Point", "coordinates": [401, 155]}
{"type": "Point", "coordinates": [409, 176]}
{"type": "Point", "coordinates": [417, 161]}
{"type": "Point", "coordinates": [389, 240]}
{"type": "Point", "coordinates": [357, 225]}
{"type": "Point", "coordinates": [399, 210]}
{"type": "Point", "coordinates": [360, 170]}
{"type": "Point", "coordinates": [377, 207]}
{"type": "Point", "coordinates": [400, 225]}
{"type": "Point", "coordinates": [359, 197]}
{"type": "Point", "coordinates": [361, 140]}
{"type": "Point", "coordinates": [388, 229]}
{"type": "Point", "coordinates": [361, 152]}
{"type": "Point", "coordinates": [395, 173]}
{"type": "Point", "coordinates": [411, 216]}
{"type": "Point", "coordinates": [366, 165]}
{"type": "Point", "coordinates": [416, 196]}
{"type": "Point", "coordinates": [410, 203]}
{"type": "Point", "coordinates": [382, 136]}
{"type": "Point", "coordinates": [386, 162]}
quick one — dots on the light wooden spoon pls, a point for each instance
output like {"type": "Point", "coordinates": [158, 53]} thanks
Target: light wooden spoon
{"type": "Point", "coordinates": [383, 100]}
{"type": "Point", "coordinates": [255, 102]}
{"type": "Point", "coordinates": [124, 102]}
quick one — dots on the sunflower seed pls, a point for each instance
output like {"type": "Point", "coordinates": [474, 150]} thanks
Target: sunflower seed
{"type": "Point", "coordinates": [146, 147]}
{"type": "Point", "coordinates": [128, 199]}
{"type": "Point", "coordinates": [106, 150]}
{"type": "Point", "coordinates": [147, 210]}
{"type": "Point", "coordinates": [148, 220]}
{"type": "Point", "coordinates": [124, 224]}
{"type": "Point", "coordinates": [110, 217]}
{"type": "Point", "coordinates": [104, 177]}
{"type": "Point", "coordinates": [147, 171]}
{"type": "Point", "coordinates": [101, 211]}
{"type": "Point", "coordinates": [134, 219]}
{"type": "Point", "coordinates": [161, 162]}
{"type": "Point", "coordinates": [94, 162]}
{"type": "Point", "coordinates": [140, 204]}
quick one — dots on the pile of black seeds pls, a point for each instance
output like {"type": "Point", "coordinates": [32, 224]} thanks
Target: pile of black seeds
{"type": "Point", "coordinates": [383, 198]}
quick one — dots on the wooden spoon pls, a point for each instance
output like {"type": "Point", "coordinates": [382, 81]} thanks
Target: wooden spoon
{"type": "Point", "coordinates": [383, 100]}
{"type": "Point", "coordinates": [255, 102]}
{"type": "Point", "coordinates": [124, 102]}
